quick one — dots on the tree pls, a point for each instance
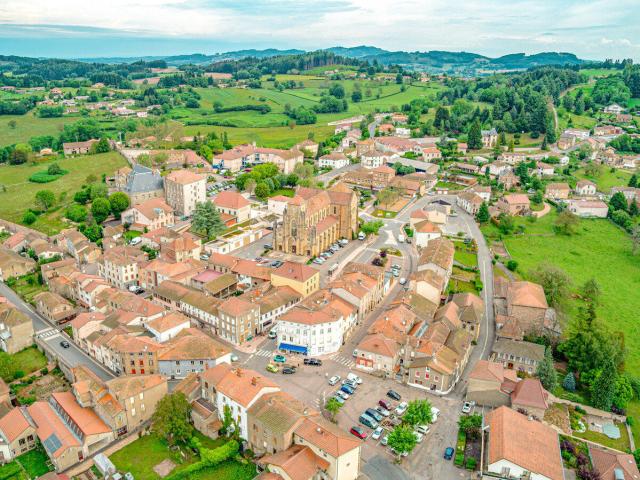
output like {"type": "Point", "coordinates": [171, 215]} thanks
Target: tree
{"type": "Point", "coordinates": [590, 291]}
{"type": "Point", "coordinates": [402, 439]}
{"type": "Point", "coordinates": [623, 392]}
{"type": "Point", "coordinates": [633, 181]}
{"type": "Point", "coordinates": [474, 140]}
{"type": "Point", "coordinates": [373, 227]}
{"type": "Point", "coordinates": [45, 199]}
{"type": "Point", "coordinates": [101, 146]}
{"type": "Point", "coordinates": [618, 202]}
{"type": "Point", "coordinates": [250, 186]}
{"type": "Point", "coordinates": [262, 190]}
{"type": "Point", "coordinates": [418, 413]}
{"type": "Point", "coordinates": [388, 196]}
{"type": "Point", "coordinates": [20, 154]}
{"type": "Point", "coordinates": [333, 406]}
{"type": "Point", "coordinates": [604, 387]}
{"type": "Point", "coordinates": [546, 372]}
{"type": "Point", "coordinates": [337, 90]}
{"type": "Point", "coordinates": [98, 190]}
{"type": "Point", "coordinates": [230, 425]}
{"type": "Point", "coordinates": [635, 240]}
{"type": "Point", "coordinates": [54, 169]}
{"type": "Point", "coordinates": [76, 213]}
{"type": "Point", "coordinates": [483, 213]}
{"type": "Point", "coordinates": [566, 223]}
{"type": "Point", "coordinates": [29, 218]}
{"type": "Point", "coordinates": [593, 170]}
{"type": "Point", "coordinates": [356, 96]}
{"type": "Point", "coordinates": [554, 281]}
{"type": "Point", "coordinates": [206, 220]}
{"type": "Point", "coordinates": [171, 418]}
{"type": "Point", "coordinates": [100, 209]}
{"type": "Point", "coordinates": [506, 224]}
{"type": "Point", "coordinates": [471, 424]}
{"type": "Point", "coordinates": [119, 202]}
{"type": "Point", "coordinates": [569, 382]}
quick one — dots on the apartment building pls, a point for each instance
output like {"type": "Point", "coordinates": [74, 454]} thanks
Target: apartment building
{"type": "Point", "coordinates": [184, 189]}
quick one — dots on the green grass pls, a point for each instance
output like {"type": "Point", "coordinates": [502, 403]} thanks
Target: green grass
{"type": "Point", "coordinates": [287, 192]}
{"type": "Point", "coordinates": [598, 250]}
{"type": "Point", "coordinates": [606, 179]}
{"type": "Point", "coordinates": [384, 213]}
{"type": "Point", "coordinates": [600, 72]}
{"type": "Point", "coordinates": [470, 259]}
{"type": "Point", "coordinates": [621, 443]}
{"type": "Point", "coordinates": [20, 193]}
{"type": "Point", "coordinates": [36, 462]}
{"type": "Point", "coordinates": [578, 121]}
{"type": "Point", "coordinates": [141, 456]}
{"type": "Point", "coordinates": [28, 126]}
{"type": "Point", "coordinates": [29, 360]}
{"type": "Point", "coordinates": [28, 287]}
{"type": "Point", "coordinates": [633, 410]}
{"type": "Point", "coordinates": [13, 471]}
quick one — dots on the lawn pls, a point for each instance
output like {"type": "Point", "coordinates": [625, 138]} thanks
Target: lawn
{"type": "Point", "coordinates": [621, 443]}
{"type": "Point", "coordinates": [598, 250]}
{"type": "Point", "coordinates": [633, 410]}
{"type": "Point", "coordinates": [28, 287]}
{"type": "Point", "coordinates": [20, 193]}
{"type": "Point", "coordinates": [141, 456]}
{"type": "Point", "coordinates": [465, 257]}
{"type": "Point", "coordinates": [606, 179]}
{"type": "Point", "coordinates": [285, 192]}
{"type": "Point", "coordinates": [28, 126]}
{"type": "Point", "coordinates": [27, 361]}
{"type": "Point", "coordinates": [384, 213]}
{"type": "Point", "coordinates": [36, 462]}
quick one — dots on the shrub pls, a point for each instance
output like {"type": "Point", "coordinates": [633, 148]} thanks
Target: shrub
{"type": "Point", "coordinates": [471, 464]}
{"type": "Point", "coordinates": [512, 265]}
{"type": "Point", "coordinates": [18, 374]}
{"type": "Point", "coordinates": [459, 459]}
{"type": "Point", "coordinates": [44, 371]}
{"type": "Point", "coordinates": [76, 213]}
{"type": "Point", "coordinates": [29, 218]}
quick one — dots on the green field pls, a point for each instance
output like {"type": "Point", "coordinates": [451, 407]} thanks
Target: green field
{"type": "Point", "coordinates": [600, 72]}
{"type": "Point", "coordinates": [20, 193]}
{"type": "Point", "coordinates": [598, 250]}
{"type": "Point", "coordinates": [606, 179]}
{"type": "Point", "coordinates": [28, 126]}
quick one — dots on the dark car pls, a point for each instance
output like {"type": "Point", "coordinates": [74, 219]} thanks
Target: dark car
{"type": "Point", "coordinates": [347, 389]}
{"type": "Point", "coordinates": [448, 453]}
{"type": "Point", "coordinates": [289, 370]}
{"type": "Point", "coordinates": [64, 344]}
{"type": "Point", "coordinates": [313, 361]}
{"type": "Point", "coordinates": [268, 246]}
{"type": "Point", "coordinates": [385, 404]}
{"type": "Point", "coordinates": [358, 432]}
{"type": "Point", "coordinates": [393, 394]}
{"type": "Point", "coordinates": [374, 413]}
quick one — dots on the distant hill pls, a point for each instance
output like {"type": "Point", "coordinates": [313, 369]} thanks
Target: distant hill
{"type": "Point", "coordinates": [434, 61]}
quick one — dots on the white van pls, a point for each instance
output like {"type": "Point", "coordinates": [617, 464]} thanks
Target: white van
{"type": "Point", "coordinates": [361, 236]}
{"type": "Point", "coordinates": [434, 414]}
{"type": "Point", "coordinates": [354, 378]}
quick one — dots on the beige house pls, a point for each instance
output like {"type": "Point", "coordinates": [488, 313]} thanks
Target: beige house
{"type": "Point", "coordinates": [238, 320]}
{"type": "Point", "coordinates": [234, 205]}
{"type": "Point", "coordinates": [490, 384]}
{"type": "Point", "coordinates": [184, 189]}
{"type": "Point", "coordinates": [558, 191]}
{"type": "Point", "coordinates": [53, 307]}
{"type": "Point", "coordinates": [517, 355]}
{"type": "Point", "coordinates": [585, 188]}
{"type": "Point", "coordinates": [13, 264]}
{"type": "Point", "coordinates": [514, 204]}
{"type": "Point", "coordinates": [119, 266]}
{"type": "Point", "coordinates": [588, 208]}
{"type": "Point", "coordinates": [17, 434]}
{"type": "Point", "coordinates": [16, 329]}
{"type": "Point", "coordinates": [150, 214]}
{"type": "Point", "coordinates": [303, 279]}
{"type": "Point", "coordinates": [438, 257]}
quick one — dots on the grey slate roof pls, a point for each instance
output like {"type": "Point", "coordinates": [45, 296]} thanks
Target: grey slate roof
{"type": "Point", "coordinates": [529, 350]}
{"type": "Point", "coordinates": [143, 179]}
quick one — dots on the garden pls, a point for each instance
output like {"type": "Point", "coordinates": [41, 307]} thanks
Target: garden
{"type": "Point", "coordinates": [28, 466]}
{"type": "Point", "coordinates": [20, 364]}
{"type": "Point", "coordinates": [468, 444]}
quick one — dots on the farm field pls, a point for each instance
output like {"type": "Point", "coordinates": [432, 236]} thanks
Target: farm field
{"type": "Point", "coordinates": [28, 126]}
{"type": "Point", "coordinates": [598, 250]}
{"type": "Point", "coordinates": [19, 193]}
{"type": "Point", "coordinates": [606, 179]}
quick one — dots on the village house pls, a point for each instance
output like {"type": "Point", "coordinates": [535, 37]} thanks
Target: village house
{"type": "Point", "coordinates": [490, 384]}
{"type": "Point", "coordinates": [585, 188]}
{"type": "Point", "coordinates": [238, 320]}
{"type": "Point", "coordinates": [150, 214]}
{"type": "Point", "coordinates": [16, 329]}
{"type": "Point", "coordinates": [489, 138]}
{"type": "Point", "coordinates": [53, 307]}
{"type": "Point", "coordinates": [566, 141]}
{"type": "Point", "coordinates": [191, 351]}
{"type": "Point", "coordinates": [424, 232]}
{"type": "Point", "coordinates": [517, 355]}
{"type": "Point", "coordinates": [614, 108]}
{"type": "Point", "coordinates": [184, 189]}
{"type": "Point", "coordinates": [303, 279]}
{"type": "Point", "coordinates": [543, 170]}
{"type": "Point", "coordinates": [613, 465]}
{"type": "Point", "coordinates": [607, 131]}
{"type": "Point", "coordinates": [242, 156]}
{"type": "Point", "coordinates": [470, 202]}
{"type": "Point", "coordinates": [517, 445]}
{"type": "Point", "coordinates": [514, 204]}
{"type": "Point", "coordinates": [438, 257]}
{"type": "Point", "coordinates": [496, 168]}
{"type": "Point", "coordinates": [362, 285]}
{"type": "Point", "coordinates": [588, 208]}
{"type": "Point", "coordinates": [376, 178]}
{"type": "Point", "coordinates": [466, 168]}
{"type": "Point", "coordinates": [557, 191]}
{"type": "Point", "coordinates": [309, 147]}
{"type": "Point", "coordinates": [512, 158]}
{"type": "Point", "coordinates": [140, 183]}
{"type": "Point", "coordinates": [333, 160]}
{"type": "Point", "coordinates": [120, 266]}
{"type": "Point", "coordinates": [78, 148]}
{"type": "Point", "coordinates": [13, 264]}
{"type": "Point", "coordinates": [234, 205]}
{"type": "Point", "coordinates": [17, 434]}
{"type": "Point", "coordinates": [374, 159]}
{"type": "Point", "coordinates": [470, 312]}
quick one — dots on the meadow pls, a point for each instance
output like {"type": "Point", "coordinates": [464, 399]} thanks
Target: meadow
{"type": "Point", "coordinates": [599, 250]}
{"type": "Point", "coordinates": [17, 194]}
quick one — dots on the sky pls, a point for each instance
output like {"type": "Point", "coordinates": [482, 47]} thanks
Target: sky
{"type": "Point", "coordinates": [592, 29]}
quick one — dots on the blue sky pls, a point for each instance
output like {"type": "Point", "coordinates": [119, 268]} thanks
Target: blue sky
{"type": "Point", "coordinates": [592, 29]}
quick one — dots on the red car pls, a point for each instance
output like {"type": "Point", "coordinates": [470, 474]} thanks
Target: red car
{"type": "Point", "coordinates": [358, 432]}
{"type": "Point", "coordinates": [385, 404]}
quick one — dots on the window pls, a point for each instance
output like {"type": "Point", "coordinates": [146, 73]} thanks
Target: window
{"type": "Point", "coordinates": [141, 396]}
{"type": "Point", "coordinates": [133, 412]}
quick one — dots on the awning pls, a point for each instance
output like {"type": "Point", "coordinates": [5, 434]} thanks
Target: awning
{"type": "Point", "coordinates": [293, 348]}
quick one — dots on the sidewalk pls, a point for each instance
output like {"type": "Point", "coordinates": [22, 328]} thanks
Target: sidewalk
{"type": "Point", "coordinates": [252, 345]}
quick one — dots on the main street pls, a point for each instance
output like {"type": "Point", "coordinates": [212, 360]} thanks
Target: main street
{"type": "Point", "coordinates": [51, 335]}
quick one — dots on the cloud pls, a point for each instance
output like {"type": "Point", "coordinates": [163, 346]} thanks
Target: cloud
{"type": "Point", "coordinates": [491, 27]}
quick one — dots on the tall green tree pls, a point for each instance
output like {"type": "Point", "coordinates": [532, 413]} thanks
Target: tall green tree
{"type": "Point", "coordinates": [618, 202]}
{"type": "Point", "coordinates": [569, 382]}
{"type": "Point", "coordinates": [483, 213]}
{"type": "Point", "coordinates": [604, 387]}
{"type": "Point", "coordinates": [100, 209]}
{"type": "Point", "coordinates": [471, 424]}
{"type": "Point", "coordinates": [45, 199]}
{"type": "Point", "coordinates": [171, 420]}
{"type": "Point", "coordinates": [546, 372]}
{"type": "Point", "coordinates": [418, 413]}
{"type": "Point", "coordinates": [554, 281]}
{"type": "Point", "coordinates": [333, 406]}
{"type": "Point", "coordinates": [402, 439]}
{"type": "Point", "coordinates": [474, 140]}
{"type": "Point", "coordinates": [206, 220]}
{"type": "Point", "coordinates": [633, 181]}
{"type": "Point", "coordinates": [119, 202]}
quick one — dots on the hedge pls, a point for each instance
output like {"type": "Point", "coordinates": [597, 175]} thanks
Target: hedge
{"type": "Point", "coordinates": [43, 177]}
{"type": "Point", "coordinates": [10, 470]}
{"type": "Point", "coordinates": [208, 458]}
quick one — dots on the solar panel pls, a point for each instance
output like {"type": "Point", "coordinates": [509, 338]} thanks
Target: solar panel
{"type": "Point", "coordinates": [52, 443]}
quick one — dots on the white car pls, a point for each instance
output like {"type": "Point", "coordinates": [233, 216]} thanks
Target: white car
{"type": "Point", "coordinates": [403, 281]}
{"type": "Point", "coordinates": [343, 242]}
{"type": "Point", "coordinates": [467, 407]}
{"type": "Point", "coordinates": [434, 414]}
{"type": "Point", "coordinates": [423, 429]}
{"type": "Point", "coordinates": [318, 260]}
{"type": "Point", "coordinates": [383, 411]}
{"type": "Point", "coordinates": [401, 408]}
{"type": "Point", "coordinates": [385, 440]}
{"type": "Point", "coordinates": [273, 333]}
{"type": "Point", "coordinates": [344, 395]}
{"type": "Point", "coordinates": [354, 378]}
{"type": "Point", "coordinates": [377, 433]}
{"type": "Point", "coordinates": [419, 437]}
{"type": "Point", "coordinates": [234, 357]}
{"type": "Point", "coordinates": [333, 380]}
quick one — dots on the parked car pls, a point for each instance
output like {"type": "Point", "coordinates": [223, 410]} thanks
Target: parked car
{"type": "Point", "coordinates": [359, 432]}
{"type": "Point", "coordinates": [318, 260]}
{"type": "Point", "coordinates": [396, 273]}
{"type": "Point", "coordinates": [289, 370]}
{"type": "Point", "coordinates": [234, 357]}
{"type": "Point", "coordinates": [277, 264]}
{"type": "Point", "coordinates": [403, 281]}
{"type": "Point", "coordinates": [333, 380]}
{"type": "Point", "coordinates": [313, 361]}
{"type": "Point", "coordinates": [279, 359]}
{"type": "Point", "coordinates": [273, 333]}
{"type": "Point", "coordinates": [272, 368]}
{"type": "Point", "coordinates": [419, 437]}
{"type": "Point", "coordinates": [394, 395]}
{"type": "Point", "coordinates": [343, 395]}
{"type": "Point", "coordinates": [434, 414]}
{"type": "Point", "coordinates": [354, 378]}
{"type": "Point", "coordinates": [383, 411]}
{"type": "Point", "coordinates": [423, 429]}
{"type": "Point", "coordinates": [65, 344]}
{"type": "Point", "coordinates": [347, 389]}
{"type": "Point", "coordinates": [467, 407]}
{"type": "Point", "coordinates": [377, 433]}
{"type": "Point", "coordinates": [351, 383]}
{"type": "Point", "coordinates": [385, 440]}
{"type": "Point", "coordinates": [339, 399]}
{"type": "Point", "coordinates": [401, 408]}
{"type": "Point", "coordinates": [403, 454]}
{"type": "Point", "coordinates": [374, 414]}
{"type": "Point", "coordinates": [344, 241]}
{"type": "Point", "coordinates": [267, 246]}
{"type": "Point", "coordinates": [385, 404]}
{"type": "Point", "coordinates": [448, 453]}
{"type": "Point", "coordinates": [368, 421]}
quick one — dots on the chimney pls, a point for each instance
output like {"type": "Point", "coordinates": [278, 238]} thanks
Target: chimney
{"type": "Point", "coordinates": [254, 381]}
{"type": "Point", "coordinates": [239, 372]}
{"type": "Point", "coordinates": [319, 430]}
{"type": "Point", "coordinates": [305, 411]}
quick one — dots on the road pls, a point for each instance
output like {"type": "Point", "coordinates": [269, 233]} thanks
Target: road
{"type": "Point", "coordinates": [331, 174]}
{"type": "Point", "coordinates": [52, 336]}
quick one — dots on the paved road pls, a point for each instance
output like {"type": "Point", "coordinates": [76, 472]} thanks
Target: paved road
{"type": "Point", "coordinates": [331, 174]}
{"type": "Point", "coordinates": [73, 355]}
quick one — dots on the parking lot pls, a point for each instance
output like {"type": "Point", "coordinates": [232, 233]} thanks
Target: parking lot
{"type": "Point", "coordinates": [311, 385]}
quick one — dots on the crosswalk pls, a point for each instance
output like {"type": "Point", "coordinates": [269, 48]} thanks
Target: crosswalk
{"type": "Point", "coordinates": [342, 360]}
{"type": "Point", "coordinates": [263, 353]}
{"type": "Point", "coordinates": [47, 332]}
